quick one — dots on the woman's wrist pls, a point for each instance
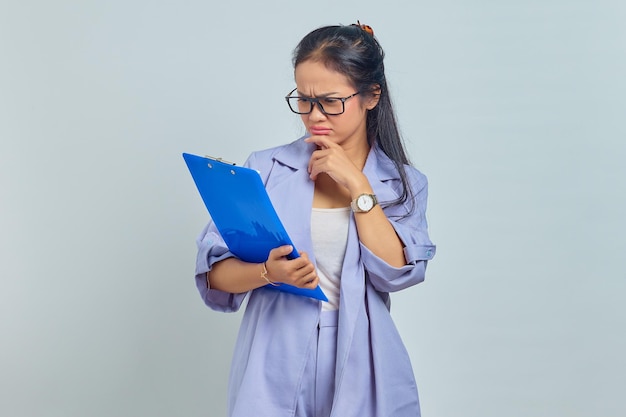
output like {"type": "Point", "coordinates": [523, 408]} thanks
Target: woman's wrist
{"type": "Point", "coordinates": [360, 186]}
{"type": "Point", "coordinates": [264, 275]}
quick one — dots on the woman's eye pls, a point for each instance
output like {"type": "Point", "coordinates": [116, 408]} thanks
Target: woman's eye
{"type": "Point", "coordinates": [330, 100]}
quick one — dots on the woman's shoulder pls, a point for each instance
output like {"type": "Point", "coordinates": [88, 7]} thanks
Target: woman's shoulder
{"type": "Point", "coordinates": [268, 152]}
{"type": "Point", "coordinates": [389, 169]}
{"type": "Point", "coordinates": [266, 157]}
{"type": "Point", "coordinates": [416, 177]}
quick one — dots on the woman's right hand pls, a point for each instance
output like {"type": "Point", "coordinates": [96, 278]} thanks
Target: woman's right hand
{"type": "Point", "coordinates": [299, 272]}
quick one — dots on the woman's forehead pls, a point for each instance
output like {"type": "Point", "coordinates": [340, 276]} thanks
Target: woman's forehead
{"type": "Point", "coordinates": [313, 75]}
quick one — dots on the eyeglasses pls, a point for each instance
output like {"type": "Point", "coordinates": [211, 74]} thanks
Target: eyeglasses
{"type": "Point", "coordinates": [331, 106]}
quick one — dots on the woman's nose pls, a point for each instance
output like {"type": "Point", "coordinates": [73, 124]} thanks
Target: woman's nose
{"type": "Point", "coordinates": [317, 113]}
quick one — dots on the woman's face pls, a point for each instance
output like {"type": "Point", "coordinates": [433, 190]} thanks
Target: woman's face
{"type": "Point", "coordinates": [314, 79]}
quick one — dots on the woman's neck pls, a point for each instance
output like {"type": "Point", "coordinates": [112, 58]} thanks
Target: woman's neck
{"type": "Point", "coordinates": [357, 153]}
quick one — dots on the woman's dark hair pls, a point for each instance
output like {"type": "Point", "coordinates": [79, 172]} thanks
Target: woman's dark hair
{"type": "Point", "coordinates": [355, 53]}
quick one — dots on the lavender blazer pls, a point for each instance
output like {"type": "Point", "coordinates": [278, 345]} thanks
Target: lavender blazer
{"type": "Point", "coordinates": [374, 377]}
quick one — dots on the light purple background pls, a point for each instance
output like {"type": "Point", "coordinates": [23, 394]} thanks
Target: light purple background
{"type": "Point", "coordinates": [514, 110]}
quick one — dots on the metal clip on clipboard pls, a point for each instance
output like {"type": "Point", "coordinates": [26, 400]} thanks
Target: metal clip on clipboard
{"type": "Point", "coordinates": [222, 160]}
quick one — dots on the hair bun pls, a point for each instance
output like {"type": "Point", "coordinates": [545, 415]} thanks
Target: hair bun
{"type": "Point", "coordinates": [365, 28]}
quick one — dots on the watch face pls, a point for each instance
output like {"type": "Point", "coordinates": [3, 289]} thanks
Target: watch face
{"type": "Point", "coordinates": [365, 202]}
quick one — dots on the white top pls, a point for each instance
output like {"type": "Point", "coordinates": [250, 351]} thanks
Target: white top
{"type": "Point", "coordinates": [329, 234]}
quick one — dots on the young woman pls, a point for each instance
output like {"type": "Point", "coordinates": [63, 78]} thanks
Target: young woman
{"type": "Point", "coordinates": [354, 206]}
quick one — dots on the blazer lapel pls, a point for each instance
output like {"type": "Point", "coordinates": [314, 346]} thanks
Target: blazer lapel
{"type": "Point", "coordinates": [380, 172]}
{"type": "Point", "coordinates": [291, 191]}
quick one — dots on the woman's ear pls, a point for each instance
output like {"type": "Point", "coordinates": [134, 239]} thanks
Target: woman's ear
{"type": "Point", "coordinates": [374, 97]}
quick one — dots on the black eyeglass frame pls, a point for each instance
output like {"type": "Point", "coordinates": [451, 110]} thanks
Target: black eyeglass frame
{"type": "Point", "coordinates": [316, 100]}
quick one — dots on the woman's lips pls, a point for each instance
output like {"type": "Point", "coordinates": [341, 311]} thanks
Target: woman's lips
{"type": "Point", "coordinates": [319, 130]}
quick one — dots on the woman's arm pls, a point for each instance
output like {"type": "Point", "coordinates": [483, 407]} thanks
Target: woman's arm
{"type": "Point", "coordinates": [418, 249]}
{"type": "Point", "coordinates": [374, 229]}
{"type": "Point", "coordinates": [235, 276]}
{"type": "Point", "coordinates": [376, 232]}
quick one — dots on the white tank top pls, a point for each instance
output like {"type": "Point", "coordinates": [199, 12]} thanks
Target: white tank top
{"type": "Point", "coordinates": [329, 234]}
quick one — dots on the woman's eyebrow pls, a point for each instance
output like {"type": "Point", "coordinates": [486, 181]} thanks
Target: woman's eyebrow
{"type": "Point", "coordinates": [319, 95]}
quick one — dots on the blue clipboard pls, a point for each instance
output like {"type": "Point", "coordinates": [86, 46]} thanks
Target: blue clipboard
{"type": "Point", "coordinates": [243, 213]}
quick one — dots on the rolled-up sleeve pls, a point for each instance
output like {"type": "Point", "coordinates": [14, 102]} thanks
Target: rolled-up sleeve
{"type": "Point", "coordinates": [418, 249]}
{"type": "Point", "coordinates": [212, 249]}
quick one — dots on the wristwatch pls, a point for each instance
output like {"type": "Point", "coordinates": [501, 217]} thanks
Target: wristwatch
{"type": "Point", "coordinates": [364, 203]}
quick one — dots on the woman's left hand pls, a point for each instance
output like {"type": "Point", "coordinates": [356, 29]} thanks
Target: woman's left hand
{"type": "Point", "coordinates": [331, 159]}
